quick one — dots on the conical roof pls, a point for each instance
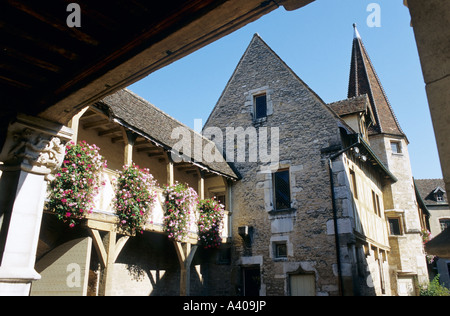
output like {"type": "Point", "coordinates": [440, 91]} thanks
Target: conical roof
{"type": "Point", "coordinates": [364, 80]}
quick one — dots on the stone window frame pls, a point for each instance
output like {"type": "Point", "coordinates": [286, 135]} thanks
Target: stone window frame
{"type": "Point", "coordinates": [399, 146]}
{"type": "Point", "coordinates": [443, 221]}
{"type": "Point", "coordinates": [398, 217]}
{"type": "Point", "coordinates": [278, 254]}
{"type": "Point", "coordinates": [250, 103]}
{"type": "Point", "coordinates": [280, 240]}
{"type": "Point", "coordinates": [255, 107]}
{"type": "Point", "coordinates": [274, 194]}
{"type": "Point", "coordinates": [267, 185]}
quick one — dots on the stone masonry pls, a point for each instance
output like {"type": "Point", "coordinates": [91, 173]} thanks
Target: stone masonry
{"type": "Point", "coordinates": [306, 126]}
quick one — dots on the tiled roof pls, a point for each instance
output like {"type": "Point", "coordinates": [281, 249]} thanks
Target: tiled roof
{"type": "Point", "coordinates": [353, 105]}
{"type": "Point", "coordinates": [138, 114]}
{"type": "Point", "coordinates": [364, 80]}
{"type": "Point", "coordinates": [427, 188]}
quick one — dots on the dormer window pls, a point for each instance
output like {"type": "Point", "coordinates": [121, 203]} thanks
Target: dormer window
{"type": "Point", "coordinates": [438, 194]}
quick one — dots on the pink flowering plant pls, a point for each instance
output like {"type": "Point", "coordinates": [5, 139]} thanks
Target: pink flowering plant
{"type": "Point", "coordinates": [180, 205]}
{"type": "Point", "coordinates": [426, 237]}
{"type": "Point", "coordinates": [210, 223]}
{"type": "Point", "coordinates": [135, 195]}
{"type": "Point", "coordinates": [76, 183]}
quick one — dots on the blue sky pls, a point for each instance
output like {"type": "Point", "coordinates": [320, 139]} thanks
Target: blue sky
{"type": "Point", "coordinates": [315, 42]}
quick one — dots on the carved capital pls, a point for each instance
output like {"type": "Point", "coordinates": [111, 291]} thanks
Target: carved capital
{"type": "Point", "coordinates": [34, 145]}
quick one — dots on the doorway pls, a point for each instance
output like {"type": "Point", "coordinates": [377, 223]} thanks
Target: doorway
{"type": "Point", "coordinates": [302, 284]}
{"type": "Point", "coordinates": [252, 281]}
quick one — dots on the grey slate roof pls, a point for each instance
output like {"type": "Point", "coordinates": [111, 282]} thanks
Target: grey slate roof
{"type": "Point", "coordinates": [353, 105]}
{"type": "Point", "coordinates": [426, 188]}
{"type": "Point", "coordinates": [142, 117]}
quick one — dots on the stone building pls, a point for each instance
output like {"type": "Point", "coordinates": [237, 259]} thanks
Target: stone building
{"type": "Point", "coordinates": [434, 197]}
{"type": "Point", "coordinates": [317, 201]}
{"type": "Point", "coordinates": [389, 142]}
{"type": "Point", "coordinates": [319, 197]}
{"type": "Point", "coordinates": [319, 219]}
{"type": "Point", "coordinates": [51, 78]}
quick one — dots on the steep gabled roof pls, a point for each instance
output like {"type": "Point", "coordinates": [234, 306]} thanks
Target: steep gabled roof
{"type": "Point", "coordinates": [364, 80]}
{"type": "Point", "coordinates": [256, 42]}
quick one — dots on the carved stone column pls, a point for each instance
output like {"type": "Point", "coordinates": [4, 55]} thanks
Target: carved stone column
{"type": "Point", "coordinates": [33, 150]}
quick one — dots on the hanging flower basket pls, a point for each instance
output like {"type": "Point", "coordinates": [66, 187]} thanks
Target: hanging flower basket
{"type": "Point", "coordinates": [134, 198]}
{"type": "Point", "coordinates": [179, 211]}
{"type": "Point", "coordinates": [210, 223]}
{"type": "Point", "coordinates": [76, 183]}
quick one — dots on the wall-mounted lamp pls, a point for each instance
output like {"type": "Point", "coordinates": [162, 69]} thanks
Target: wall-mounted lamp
{"type": "Point", "coordinates": [246, 232]}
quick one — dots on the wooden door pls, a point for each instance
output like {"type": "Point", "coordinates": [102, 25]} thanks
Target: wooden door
{"type": "Point", "coordinates": [303, 285]}
{"type": "Point", "coordinates": [252, 281]}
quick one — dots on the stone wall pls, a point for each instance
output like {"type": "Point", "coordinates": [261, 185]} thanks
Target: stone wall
{"type": "Point", "coordinates": [305, 127]}
{"type": "Point", "coordinates": [407, 255]}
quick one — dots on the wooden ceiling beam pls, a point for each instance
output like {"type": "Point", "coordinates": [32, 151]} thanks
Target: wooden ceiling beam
{"type": "Point", "coordinates": [149, 150]}
{"type": "Point", "coordinates": [111, 131]}
{"type": "Point", "coordinates": [95, 124]}
{"type": "Point", "coordinates": [53, 21]}
{"type": "Point", "coordinates": [160, 154]}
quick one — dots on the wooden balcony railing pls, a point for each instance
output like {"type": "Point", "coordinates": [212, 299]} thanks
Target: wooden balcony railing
{"type": "Point", "coordinates": [104, 218]}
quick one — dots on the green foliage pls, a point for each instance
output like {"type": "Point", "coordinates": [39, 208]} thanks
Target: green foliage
{"type": "Point", "coordinates": [434, 288]}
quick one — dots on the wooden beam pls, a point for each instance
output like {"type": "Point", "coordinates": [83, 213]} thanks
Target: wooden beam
{"type": "Point", "coordinates": [143, 142]}
{"type": "Point", "coordinates": [74, 124]}
{"type": "Point", "coordinates": [110, 131]}
{"type": "Point", "coordinates": [54, 22]}
{"type": "Point", "coordinates": [201, 184]}
{"type": "Point", "coordinates": [117, 139]}
{"type": "Point", "coordinates": [185, 253]}
{"type": "Point", "coordinates": [186, 168]}
{"type": "Point", "coordinates": [155, 155]}
{"type": "Point", "coordinates": [95, 124]}
{"type": "Point", "coordinates": [119, 247]}
{"type": "Point", "coordinates": [89, 114]}
{"type": "Point", "coordinates": [170, 171]}
{"type": "Point", "coordinates": [148, 149]}
{"type": "Point", "coordinates": [129, 139]}
{"type": "Point", "coordinates": [185, 164]}
{"type": "Point", "coordinates": [99, 247]}
{"type": "Point", "coordinates": [180, 252]}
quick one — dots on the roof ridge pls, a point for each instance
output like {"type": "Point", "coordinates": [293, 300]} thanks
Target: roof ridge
{"type": "Point", "coordinates": [360, 58]}
{"type": "Point", "coordinates": [351, 98]}
{"type": "Point", "coordinates": [382, 89]}
{"type": "Point", "coordinates": [146, 102]}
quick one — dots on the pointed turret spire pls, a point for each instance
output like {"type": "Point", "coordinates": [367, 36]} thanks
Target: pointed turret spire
{"type": "Point", "coordinates": [364, 80]}
{"type": "Point", "coordinates": [356, 33]}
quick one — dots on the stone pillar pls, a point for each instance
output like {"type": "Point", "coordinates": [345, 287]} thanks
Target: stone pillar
{"type": "Point", "coordinates": [33, 150]}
